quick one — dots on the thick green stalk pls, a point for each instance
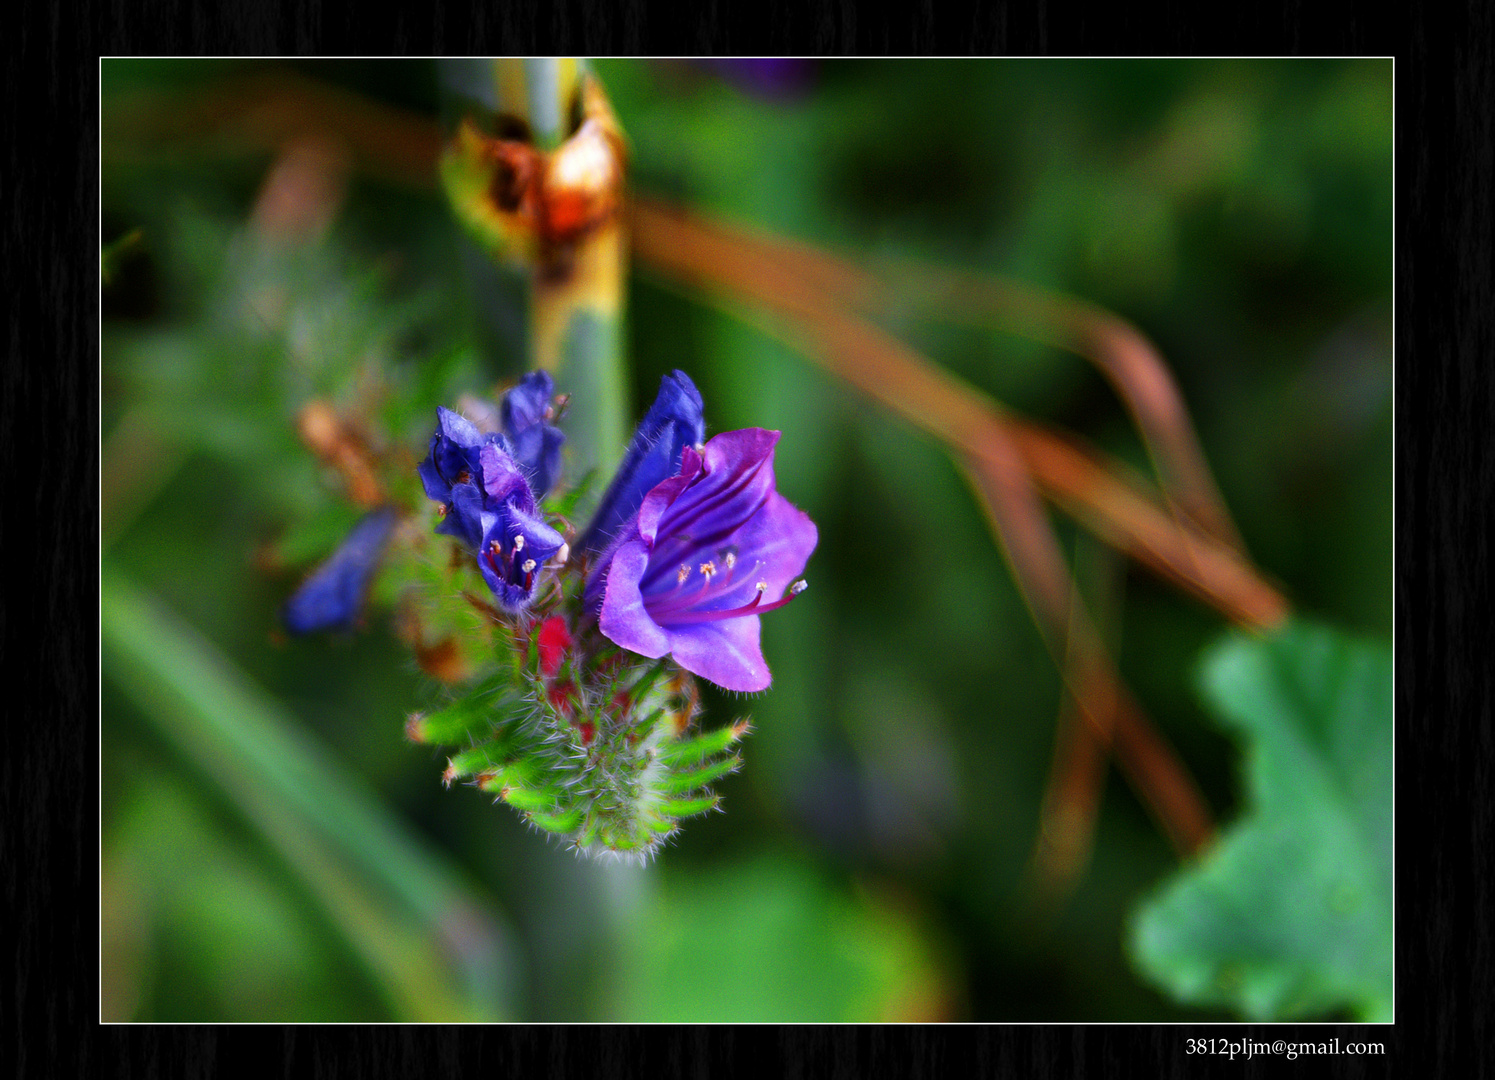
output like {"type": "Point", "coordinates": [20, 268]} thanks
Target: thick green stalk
{"type": "Point", "coordinates": [561, 236]}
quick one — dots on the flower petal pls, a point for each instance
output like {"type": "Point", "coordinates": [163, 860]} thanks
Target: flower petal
{"type": "Point", "coordinates": [727, 653]}
{"type": "Point", "coordinates": [523, 406]}
{"type": "Point", "coordinates": [675, 421]}
{"type": "Point", "coordinates": [332, 597]}
{"type": "Point", "coordinates": [536, 445]}
{"type": "Point", "coordinates": [685, 576]}
{"type": "Point", "coordinates": [514, 539]}
{"type": "Point", "coordinates": [503, 481]}
{"type": "Point", "coordinates": [624, 619]}
{"type": "Point", "coordinates": [735, 482]}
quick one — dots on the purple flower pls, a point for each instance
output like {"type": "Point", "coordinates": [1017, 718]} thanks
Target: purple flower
{"type": "Point", "coordinates": [675, 420]}
{"type": "Point", "coordinates": [332, 597]}
{"type": "Point", "coordinates": [534, 443]}
{"type": "Point", "coordinates": [689, 573]}
{"type": "Point", "coordinates": [453, 475]}
{"type": "Point", "coordinates": [516, 542]}
{"type": "Point", "coordinates": [489, 503]}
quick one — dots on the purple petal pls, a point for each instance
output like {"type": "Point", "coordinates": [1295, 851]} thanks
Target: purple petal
{"type": "Point", "coordinates": [727, 653]}
{"type": "Point", "coordinates": [674, 422]}
{"type": "Point", "coordinates": [735, 482]}
{"type": "Point", "coordinates": [503, 480]}
{"type": "Point", "coordinates": [524, 405]}
{"type": "Point", "coordinates": [464, 515]}
{"type": "Point", "coordinates": [502, 558]}
{"type": "Point", "coordinates": [536, 445]}
{"type": "Point", "coordinates": [624, 618]}
{"type": "Point", "coordinates": [684, 578]}
{"type": "Point", "coordinates": [454, 452]}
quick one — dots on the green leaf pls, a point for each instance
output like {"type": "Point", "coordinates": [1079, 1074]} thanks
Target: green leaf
{"type": "Point", "coordinates": [1289, 914]}
{"type": "Point", "coordinates": [770, 940]}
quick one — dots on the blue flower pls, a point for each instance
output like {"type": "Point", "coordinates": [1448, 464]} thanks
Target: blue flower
{"type": "Point", "coordinates": [332, 597]}
{"type": "Point", "coordinates": [486, 493]}
{"type": "Point", "coordinates": [690, 573]}
{"type": "Point", "coordinates": [516, 542]}
{"type": "Point", "coordinates": [675, 421]}
{"type": "Point", "coordinates": [453, 475]}
{"type": "Point", "coordinates": [534, 443]}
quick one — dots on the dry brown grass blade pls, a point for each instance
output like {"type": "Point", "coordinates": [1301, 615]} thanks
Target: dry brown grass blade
{"type": "Point", "coordinates": [1121, 352]}
{"type": "Point", "coordinates": [896, 376]}
{"type": "Point", "coordinates": [1116, 347]}
{"type": "Point", "coordinates": [265, 110]}
{"type": "Point", "coordinates": [1098, 493]}
{"type": "Point", "coordinates": [1119, 511]}
{"type": "Point", "coordinates": [1116, 722]}
{"type": "Point", "coordinates": [1077, 775]}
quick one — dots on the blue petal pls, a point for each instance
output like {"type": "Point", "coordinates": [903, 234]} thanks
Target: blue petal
{"type": "Point", "coordinates": [454, 454]}
{"type": "Point", "coordinates": [503, 567]}
{"type": "Point", "coordinates": [536, 444]}
{"type": "Point", "coordinates": [524, 405]}
{"type": "Point", "coordinates": [333, 596]}
{"type": "Point", "coordinates": [675, 420]}
{"type": "Point", "coordinates": [464, 515]}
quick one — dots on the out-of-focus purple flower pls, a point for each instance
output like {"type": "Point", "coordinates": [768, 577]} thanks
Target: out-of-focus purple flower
{"type": "Point", "coordinates": [516, 542]}
{"type": "Point", "coordinates": [690, 573]}
{"type": "Point", "coordinates": [332, 597]}
{"type": "Point", "coordinates": [778, 78]}
{"type": "Point", "coordinates": [675, 421]}
{"type": "Point", "coordinates": [534, 443]}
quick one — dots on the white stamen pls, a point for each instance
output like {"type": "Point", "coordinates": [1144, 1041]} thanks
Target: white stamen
{"type": "Point", "coordinates": [519, 542]}
{"type": "Point", "coordinates": [528, 566]}
{"type": "Point", "coordinates": [683, 574]}
{"type": "Point", "coordinates": [798, 587]}
{"type": "Point", "coordinates": [731, 559]}
{"type": "Point", "coordinates": [709, 569]}
{"type": "Point", "coordinates": [762, 586]}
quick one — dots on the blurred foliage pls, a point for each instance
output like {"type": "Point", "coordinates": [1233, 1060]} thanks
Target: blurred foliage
{"type": "Point", "coordinates": [1290, 914]}
{"type": "Point", "coordinates": [872, 862]}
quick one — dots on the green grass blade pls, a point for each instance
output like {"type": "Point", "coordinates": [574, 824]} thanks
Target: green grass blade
{"type": "Point", "coordinates": [353, 854]}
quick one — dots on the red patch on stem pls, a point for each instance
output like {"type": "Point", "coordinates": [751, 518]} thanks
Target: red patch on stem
{"type": "Point", "coordinates": [553, 643]}
{"type": "Point", "coordinates": [562, 697]}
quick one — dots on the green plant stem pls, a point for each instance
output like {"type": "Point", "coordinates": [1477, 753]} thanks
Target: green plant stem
{"type": "Point", "coordinates": [565, 317]}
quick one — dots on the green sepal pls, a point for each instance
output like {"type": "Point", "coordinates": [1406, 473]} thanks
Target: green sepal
{"type": "Point", "coordinates": [491, 706]}
{"type": "Point", "coordinates": [686, 781]}
{"type": "Point", "coordinates": [530, 799]}
{"type": "Point", "coordinates": [563, 822]}
{"type": "Point", "coordinates": [480, 759]}
{"type": "Point", "coordinates": [705, 745]}
{"type": "Point", "coordinates": [687, 807]}
{"type": "Point", "coordinates": [519, 772]}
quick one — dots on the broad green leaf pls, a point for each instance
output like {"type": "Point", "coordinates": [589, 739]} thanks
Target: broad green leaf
{"type": "Point", "coordinates": [1289, 914]}
{"type": "Point", "coordinates": [770, 941]}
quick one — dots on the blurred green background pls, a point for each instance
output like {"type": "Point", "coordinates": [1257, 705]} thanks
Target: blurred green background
{"type": "Point", "coordinates": [274, 849]}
